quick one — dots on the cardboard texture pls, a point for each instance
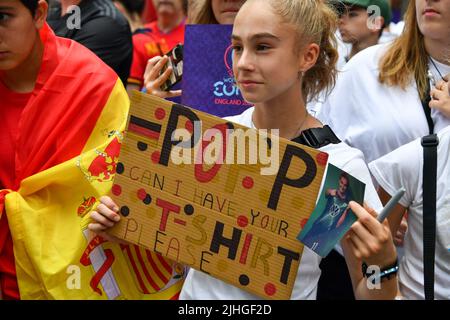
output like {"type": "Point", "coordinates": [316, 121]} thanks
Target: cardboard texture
{"type": "Point", "coordinates": [227, 220]}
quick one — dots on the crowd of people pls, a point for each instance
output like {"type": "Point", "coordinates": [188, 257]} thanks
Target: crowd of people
{"type": "Point", "coordinates": [377, 72]}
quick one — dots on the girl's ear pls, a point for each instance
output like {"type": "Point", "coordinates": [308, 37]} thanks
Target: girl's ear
{"type": "Point", "coordinates": [308, 57]}
{"type": "Point", "coordinates": [41, 14]}
{"type": "Point", "coordinates": [376, 24]}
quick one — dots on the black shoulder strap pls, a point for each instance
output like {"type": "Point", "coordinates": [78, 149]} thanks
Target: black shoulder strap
{"type": "Point", "coordinates": [429, 144]}
{"type": "Point", "coordinates": [317, 137]}
{"type": "Point", "coordinates": [427, 109]}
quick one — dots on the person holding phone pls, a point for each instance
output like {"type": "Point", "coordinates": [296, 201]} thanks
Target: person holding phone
{"type": "Point", "coordinates": [158, 38]}
{"type": "Point", "coordinates": [158, 71]}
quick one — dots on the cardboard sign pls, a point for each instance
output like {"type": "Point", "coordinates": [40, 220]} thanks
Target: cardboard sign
{"type": "Point", "coordinates": [227, 220]}
{"type": "Point", "coordinates": [208, 81]}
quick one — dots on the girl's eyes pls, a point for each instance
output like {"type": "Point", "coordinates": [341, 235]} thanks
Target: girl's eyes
{"type": "Point", "coordinates": [237, 48]}
{"type": "Point", "coordinates": [4, 17]}
{"type": "Point", "coordinates": [262, 47]}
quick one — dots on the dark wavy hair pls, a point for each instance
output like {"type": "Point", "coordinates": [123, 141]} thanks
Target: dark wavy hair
{"type": "Point", "coordinates": [31, 5]}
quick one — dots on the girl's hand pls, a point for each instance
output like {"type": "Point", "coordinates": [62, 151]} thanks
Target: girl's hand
{"type": "Point", "coordinates": [368, 239]}
{"type": "Point", "coordinates": [105, 217]}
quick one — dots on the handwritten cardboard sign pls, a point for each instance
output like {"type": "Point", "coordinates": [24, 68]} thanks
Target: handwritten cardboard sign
{"type": "Point", "coordinates": [227, 220]}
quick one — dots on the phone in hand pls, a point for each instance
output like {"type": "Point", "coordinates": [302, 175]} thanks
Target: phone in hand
{"type": "Point", "coordinates": [176, 62]}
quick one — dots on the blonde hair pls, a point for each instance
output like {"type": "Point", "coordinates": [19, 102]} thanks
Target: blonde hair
{"type": "Point", "coordinates": [315, 22]}
{"type": "Point", "coordinates": [406, 57]}
{"type": "Point", "coordinates": [202, 13]}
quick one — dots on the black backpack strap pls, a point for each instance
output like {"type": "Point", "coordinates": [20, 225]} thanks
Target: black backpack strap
{"type": "Point", "coordinates": [317, 137]}
{"type": "Point", "coordinates": [429, 144]}
{"type": "Point", "coordinates": [427, 109]}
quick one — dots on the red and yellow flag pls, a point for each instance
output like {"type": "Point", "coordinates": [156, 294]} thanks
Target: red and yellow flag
{"type": "Point", "coordinates": [68, 147]}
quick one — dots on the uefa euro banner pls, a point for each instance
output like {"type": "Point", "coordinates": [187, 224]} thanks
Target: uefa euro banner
{"type": "Point", "coordinates": [222, 198]}
{"type": "Point", "coordinates": [208, 81]}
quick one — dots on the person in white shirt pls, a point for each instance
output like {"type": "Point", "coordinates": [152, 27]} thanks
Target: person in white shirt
{"type": "Point", "coordinates": [261, 40]}
{"type": "Point", "coordinates": [392, 31]}
{"type": "Point", "coordinates": [280, 60]}
{"type": "Point", "coordinates": [403, 168]}
{"type": "Point", "coordinates": [376, 104]}
{"type": "Point", "coordinates": [360, 29]}
{"type": "Point", "coordinates": [357, 31]}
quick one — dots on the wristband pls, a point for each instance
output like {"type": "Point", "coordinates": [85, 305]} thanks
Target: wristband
{"type": "Point", "coordinates": [386, 272]}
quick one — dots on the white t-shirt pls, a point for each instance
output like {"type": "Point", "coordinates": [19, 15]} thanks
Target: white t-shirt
{"type": "Point", "coordinates": [395, 30]}
{"type": "Point", "coordinates": [373, 117]}
{"type": "Point", "coordinates": [403, 167]}
{"type": "Point", "coordinates": [200, 286]}
{"type": "Point", "coordinates": [344, 50]}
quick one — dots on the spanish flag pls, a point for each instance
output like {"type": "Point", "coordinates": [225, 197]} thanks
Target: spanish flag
{"type": "Point", "coordinates": [68, 147]}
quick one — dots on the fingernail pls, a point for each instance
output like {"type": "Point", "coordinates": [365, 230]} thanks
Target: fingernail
{"type": "Point", "coordinates": [116, 209]}
{"type": "Point", "coordinates": [116, 217]}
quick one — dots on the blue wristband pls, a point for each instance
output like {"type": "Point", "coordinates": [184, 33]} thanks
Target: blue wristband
{"type": "Point", "coordinates": [384, 273]}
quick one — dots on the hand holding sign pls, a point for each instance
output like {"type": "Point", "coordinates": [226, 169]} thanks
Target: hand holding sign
{"type": "Point", "coordinates": [232, 218]}
{"type": "Point", "coordinates": [104, 217]}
